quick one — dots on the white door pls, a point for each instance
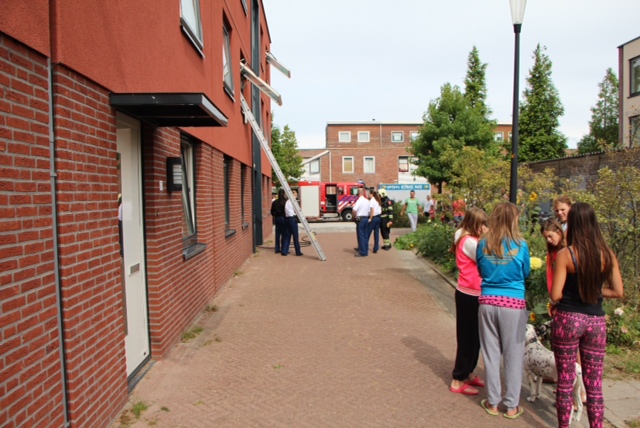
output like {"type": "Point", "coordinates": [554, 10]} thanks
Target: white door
{"type": "Point", "coordinates": [133, 256]}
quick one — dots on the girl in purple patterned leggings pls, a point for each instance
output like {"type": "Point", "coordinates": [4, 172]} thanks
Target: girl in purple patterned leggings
{"type": "Point", "coordinates": [580, 272]}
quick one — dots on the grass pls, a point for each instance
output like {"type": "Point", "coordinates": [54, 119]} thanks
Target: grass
{"type": "Point", "coordinates": [211, 308]}
{"type": "Point", "coordinates": [132, 414]}
{"type": "Point", "coordinates": [138, 408]}
{"type": "Point", "coordinates": [191, 334]}
{"type": "Point", "coordinates": [622, 362]}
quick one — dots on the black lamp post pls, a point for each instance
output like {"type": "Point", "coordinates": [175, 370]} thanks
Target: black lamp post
{"type": "Point", "coordinates": [517, 14]}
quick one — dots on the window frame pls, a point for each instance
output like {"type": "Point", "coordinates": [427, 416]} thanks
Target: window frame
{"type": "Point", "coordinates": [362, 140]}
{"type": "Point", "coordinates": [314, 170]}
{"type": "Point", "coordinates": [634, 135]}
{"type": "Point", "coordinates": [353, 164]}
{"type": "Point", "coordinates": [414, 136]}
{"type": "Point", "coordinates": [343, 133]}
{"type": "Point", "coordinates": [395, 133]}
{"type": "Point", "coordinates": [400, 163]}
{"type": "Point", "coordinates": [227, 69]}
{"type": "Point", "coordinates": [498, 136]}
{"type": "Point", "coordinates": [634, 77]}
{"type": "Point", "coordinates": [364, 164]}
{"type": "Point", "coordinates": [187, 163]}
{"type": "Point", "coordinates": [195, 35]}
{"type": "Point", "coordinates": [188, 195]}
{"type": "Point", "coordinates": [227, 191]}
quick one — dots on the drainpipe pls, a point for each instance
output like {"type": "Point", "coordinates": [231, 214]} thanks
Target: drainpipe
{"type": "Point", "coordinates": [56, 253]}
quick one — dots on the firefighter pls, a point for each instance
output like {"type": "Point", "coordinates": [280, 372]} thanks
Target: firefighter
{"type": "Point", "coordinates": [386, 219]}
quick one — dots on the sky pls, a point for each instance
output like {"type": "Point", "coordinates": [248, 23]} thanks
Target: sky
{"type": "Point", "coordinates": [385, 60]}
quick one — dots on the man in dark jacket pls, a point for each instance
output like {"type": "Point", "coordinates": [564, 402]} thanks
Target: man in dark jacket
{"type": "Point", "coordinates": [386, 218]}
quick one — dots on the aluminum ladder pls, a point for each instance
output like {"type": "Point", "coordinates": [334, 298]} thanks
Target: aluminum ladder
{"type": "Point", "coordinates": [285, 185]}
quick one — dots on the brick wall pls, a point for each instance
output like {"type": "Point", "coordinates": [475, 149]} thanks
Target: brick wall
{"type": "Point", "coordinates": [180, 289]}
{"type": "Point", "coordinates": [87, 189]}
{"type": "Point", "coordinates": [30, 366]}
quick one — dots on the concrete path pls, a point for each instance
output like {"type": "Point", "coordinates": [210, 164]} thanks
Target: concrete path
{"type": "Point", "coordinates": [348, 342]}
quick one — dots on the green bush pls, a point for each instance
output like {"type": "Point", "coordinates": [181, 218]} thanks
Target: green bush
{"type": "Point", "coordinates": [432, 240]}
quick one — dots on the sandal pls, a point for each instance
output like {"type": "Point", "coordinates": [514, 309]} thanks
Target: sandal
{"type": "Point", "coordinates": [516, 415]}
{"type": "Point", "coordinates": [485, 405]}
{"type": "Point", "coordinates": [476, 381]}
{"type": "Point", "coordinates": [465, 389]}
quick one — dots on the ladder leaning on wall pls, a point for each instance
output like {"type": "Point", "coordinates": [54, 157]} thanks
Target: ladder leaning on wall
{"type": "Point", "coordinates": [283, 180]}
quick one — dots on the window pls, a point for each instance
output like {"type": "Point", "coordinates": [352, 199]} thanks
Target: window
{"type": "Point", "coordinates": [244, 6]}
{"type": "Point", "coordinates": [363, 136]}
{"type": "Point", "coordinates": [397, 137]}
{"type": "Point", "coordinates": [314, 167]}
{"type": "Point", "coordinates": [369, 165]}
{"type": "Point", "coordinates": [634, 131]}
{"type": "Point", "coordinates": [227, 185]}
{"type": "Point", "coordinates": [190, 245]}
{"type": "Point", "coordinates": [403, 164]}
{"type": "Point", "coordinates": [190, 21]}
{"type": "Point", "coordinates": [347, 164]}
{"type": "Point", "coordinates": [344, 137]}
{"type": "Point", "coordinates": [498, 136]}
{"type": "Point", "coordinates": [243, 173]}
{"type": "Point", "coordinates": [226, 62]}
{"type": "Point", "coordinates": [635, 76]}
{"type": "Point", "coordinates": [414, 135]}
{"type": "Point", "coordinates": [188, 190]}
{"type": "Point", "coordinates": [510, 136]}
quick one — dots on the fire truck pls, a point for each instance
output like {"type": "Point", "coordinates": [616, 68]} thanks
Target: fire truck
{"type": "Point", "coordinates": [320, 200]}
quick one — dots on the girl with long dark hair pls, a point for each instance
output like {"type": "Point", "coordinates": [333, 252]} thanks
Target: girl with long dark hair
{"type": "Point", "coordinates": [585, 272]}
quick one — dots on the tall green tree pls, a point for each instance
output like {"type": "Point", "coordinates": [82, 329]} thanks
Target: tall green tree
{"type": "Point", "coordinates": [603, 127]}
{"type": "Point", "coordinates": [450, 124]}
{"type": "Point", "coordinates": [475, 84]}
{"type": "Point", "coordinates": [539, 136]}
{"type": "Point", "coordinates": [284, 146]}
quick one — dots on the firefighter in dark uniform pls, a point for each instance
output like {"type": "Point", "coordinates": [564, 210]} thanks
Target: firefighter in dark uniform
{"type": "Point", "coordinates": [386, 219]}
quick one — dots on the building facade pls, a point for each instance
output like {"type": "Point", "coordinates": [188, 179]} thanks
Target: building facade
{"type": "Point", "coordinates": [629, 92]}
{"type": "Point", "coordinates": [131, 190]}
{"type": "Point", "coordinates": [375, 152]}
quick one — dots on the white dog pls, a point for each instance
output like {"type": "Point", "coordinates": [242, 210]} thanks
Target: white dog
{"type": "Point", "coordinates": [539, 363]}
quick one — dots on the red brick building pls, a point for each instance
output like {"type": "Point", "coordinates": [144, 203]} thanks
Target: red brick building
{"type": "Point", "coordinates": [114, 118]}
{"type": "Point", "coordinates": [376, 152]}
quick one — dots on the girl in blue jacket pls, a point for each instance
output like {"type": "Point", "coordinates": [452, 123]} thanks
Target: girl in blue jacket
{"type": "Point", "coordinates": [504, 263]}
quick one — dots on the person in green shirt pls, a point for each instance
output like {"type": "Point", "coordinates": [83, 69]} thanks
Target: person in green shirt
{"type": "Point", "coordinates": [413, 207]}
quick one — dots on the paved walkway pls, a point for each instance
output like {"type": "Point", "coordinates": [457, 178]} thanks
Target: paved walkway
{"type": "Point", "coordinates": [348, 342]}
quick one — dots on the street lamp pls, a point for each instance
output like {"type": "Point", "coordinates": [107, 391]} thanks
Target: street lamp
{"type": "Point", "coordinates": [517, 14]}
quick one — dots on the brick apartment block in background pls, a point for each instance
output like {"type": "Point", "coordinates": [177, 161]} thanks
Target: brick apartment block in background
{"type": "Point", "coordinates": [375, 152]}
{"type": "Point", "coordinates": [134, 100]}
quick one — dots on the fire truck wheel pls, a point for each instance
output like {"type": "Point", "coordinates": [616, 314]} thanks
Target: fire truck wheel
{"type": "Point", "coordinates": [347, 215]}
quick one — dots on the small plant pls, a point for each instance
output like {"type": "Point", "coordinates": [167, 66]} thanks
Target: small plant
{"type": "Point", "coordinates": [211, 308]}
{"type": "Point", "coordinates": [164, 409]}
{"type": "Point", "coordinates": [278, 366]}
{"type": "Point", "coordinates": [191, 334]}
{"type": "Point", "coordinates": [138, 408]}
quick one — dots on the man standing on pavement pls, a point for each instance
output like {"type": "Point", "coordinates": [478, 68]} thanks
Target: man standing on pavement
{"type": "Point", "coordinates": [361, 211]}
{"type": "Point", "coordinates": [386, 219]}
{"type": "Point", "coordinates": [413, 207]}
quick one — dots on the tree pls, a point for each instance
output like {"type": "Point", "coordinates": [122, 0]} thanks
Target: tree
{"type": "Point", "coordinates": [450, 124]}
{"type": "Point", "coordinates": [285, 149]}
{"type": "Point", "coordinates": [603, 127]}
{"type": "Point", "coordinates": [475, 85]}
{"type": "Point", "coordinates": [541, 109]}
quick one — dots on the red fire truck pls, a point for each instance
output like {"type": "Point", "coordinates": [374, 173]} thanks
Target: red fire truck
{"type": "Point", "coordinates": [327, 200]}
